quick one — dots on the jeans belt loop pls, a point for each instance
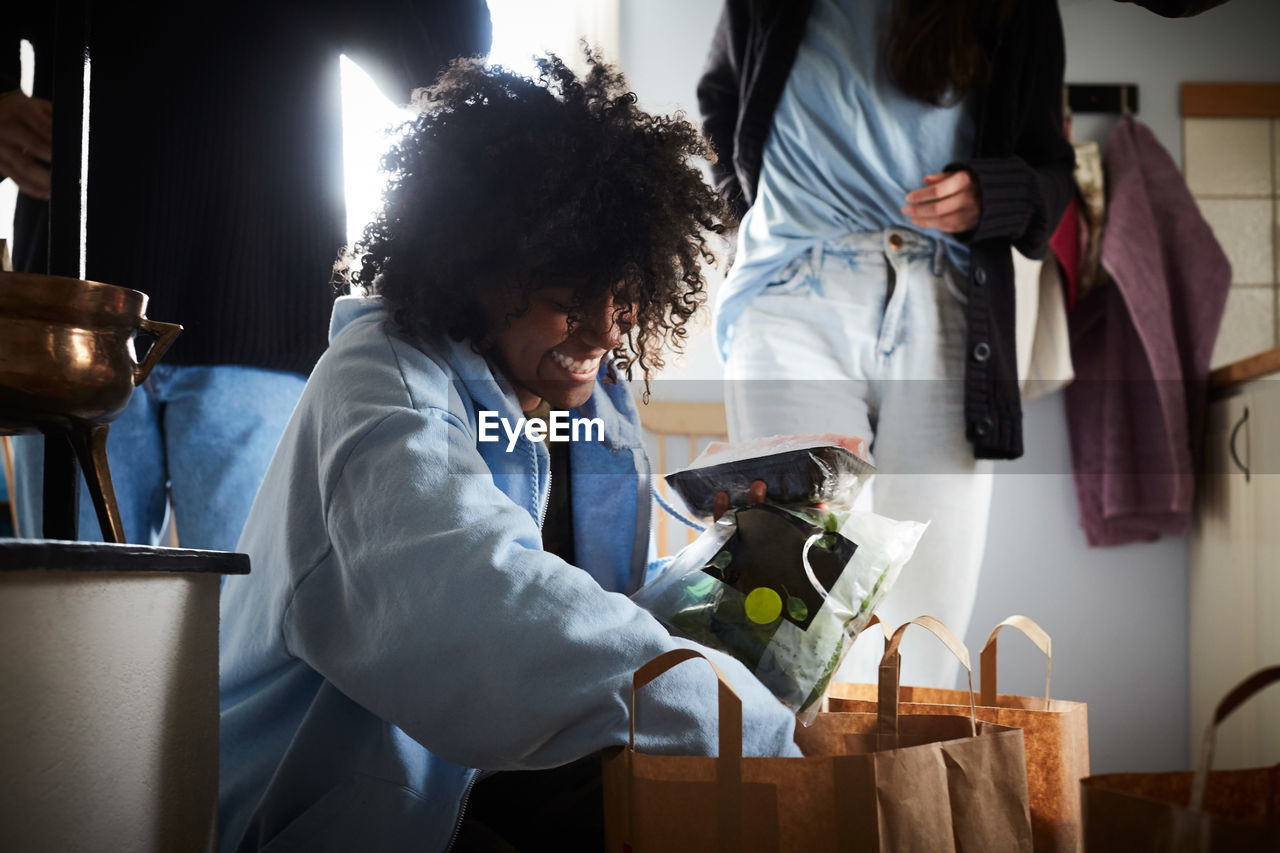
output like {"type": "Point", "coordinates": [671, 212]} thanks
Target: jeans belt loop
{"type": "Point", "coordinates": [815, 258]}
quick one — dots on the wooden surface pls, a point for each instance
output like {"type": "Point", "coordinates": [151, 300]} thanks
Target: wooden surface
{"type": "Point", "coordinates": [676, 418]}
{"type": "Point", "coordinates": [1253, 367]}
{"type": "Point", "coordinates": [695, 423]}
{"type": "Point", "coordinates": [1224, 100]}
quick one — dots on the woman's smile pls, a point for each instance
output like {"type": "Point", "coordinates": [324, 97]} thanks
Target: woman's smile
{"type": "Point", "coordinates": [545, 358]}
{"type": "Point", "coordinates": [577, 368]}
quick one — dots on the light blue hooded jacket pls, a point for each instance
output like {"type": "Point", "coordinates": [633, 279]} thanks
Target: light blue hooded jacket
{"type": "Point", "coordinates": [402, 626]}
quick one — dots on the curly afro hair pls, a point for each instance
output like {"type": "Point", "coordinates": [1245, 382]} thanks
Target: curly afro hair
{"type": "Point", "coordinates": [505, 184]}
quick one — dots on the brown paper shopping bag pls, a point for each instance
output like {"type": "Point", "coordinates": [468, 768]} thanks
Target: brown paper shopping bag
{"type": "Point", "coordinates": [1208, 811]}
{"type": "Point", "coordinates": [870, 783]}
{"type": "Point", "coordinates": [1056, 734]}
{"type": "Point", "coordinates": [985, 766]}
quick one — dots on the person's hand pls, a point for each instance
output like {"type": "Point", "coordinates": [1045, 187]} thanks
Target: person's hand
{"type": "Point", "coordinates": [720, 503]}
{"type": "Point", "coordinates": [948, 201]}
{"type": "Point", "coordinates": [26, 139]}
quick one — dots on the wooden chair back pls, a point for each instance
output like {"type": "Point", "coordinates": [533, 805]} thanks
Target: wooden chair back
{"type": "Point", "coordinates": [675, 433]}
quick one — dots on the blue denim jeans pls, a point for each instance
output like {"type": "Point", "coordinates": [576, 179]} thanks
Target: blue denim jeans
{"type": "Point", "coordinates": [203, 435]}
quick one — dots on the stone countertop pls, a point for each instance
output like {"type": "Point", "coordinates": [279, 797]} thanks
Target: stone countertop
{"type": "Point", "coordinates": [27, 554]}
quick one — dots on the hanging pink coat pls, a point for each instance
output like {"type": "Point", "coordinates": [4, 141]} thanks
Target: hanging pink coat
{"type": "Point", "coordinates": [1141, 348]}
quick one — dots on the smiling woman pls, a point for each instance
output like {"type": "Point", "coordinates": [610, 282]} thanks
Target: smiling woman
{"type": "Point", "coordinates": [538, 236]}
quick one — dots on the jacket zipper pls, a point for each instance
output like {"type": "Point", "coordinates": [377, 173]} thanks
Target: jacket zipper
{"type": "Point", "coordinates": [546, 499]}
{"type": "Point", "coordinates": [646, 487]}
{"type": "Point", "coordinates": [546, 503]}
{"type": "Point", "coordinates": [462, 810]}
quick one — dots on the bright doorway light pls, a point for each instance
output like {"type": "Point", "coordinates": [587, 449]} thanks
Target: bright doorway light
{"type": "Point", "coordinates": [367, 117]}
{"type": "Point", "coordinates": [523, 29]}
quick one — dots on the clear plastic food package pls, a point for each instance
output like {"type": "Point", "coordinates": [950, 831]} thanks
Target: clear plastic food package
{"type": "Point", "coordinates": [785, 587]}
{"type": "Point", "coordinates": [796, 469]}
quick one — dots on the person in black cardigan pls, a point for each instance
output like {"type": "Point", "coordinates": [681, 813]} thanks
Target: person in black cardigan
{"type": "Point", "coordinates": [1022, 164]}
{"type": "Point", "coordinates": [215, 187]}
{"type": "Point", "coordinates": [999, 66]}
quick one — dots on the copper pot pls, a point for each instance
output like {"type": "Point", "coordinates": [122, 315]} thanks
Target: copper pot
{"type": "Point", "coordinates": [68, 364]}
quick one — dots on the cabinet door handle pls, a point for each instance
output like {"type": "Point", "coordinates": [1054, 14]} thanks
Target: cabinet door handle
{"type": "Point", "coordinates": [1232, 444]}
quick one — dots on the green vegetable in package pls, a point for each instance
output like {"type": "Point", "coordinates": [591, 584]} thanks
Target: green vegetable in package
{"type": "Point", "coordinates": [783, 589]}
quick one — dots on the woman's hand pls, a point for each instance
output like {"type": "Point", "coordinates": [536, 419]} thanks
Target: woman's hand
{"type": "Point", "coordinates": [948, 201]}
{"type": "Point", "coordinates": [720, 504]}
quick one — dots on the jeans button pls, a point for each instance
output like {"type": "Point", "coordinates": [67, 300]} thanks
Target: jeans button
{"type": "Point", "coordinates": [895, 241]}
{"type": "Point", "coordinates": [981, 351]}
{"type": "Point", "coordinates": [980, 276]}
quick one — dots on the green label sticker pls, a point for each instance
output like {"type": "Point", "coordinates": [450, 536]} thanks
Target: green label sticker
{"type": "Point", "coordinates": [763, 605]}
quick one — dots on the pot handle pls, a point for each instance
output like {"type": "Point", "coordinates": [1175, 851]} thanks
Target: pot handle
{"type": "Point", "coordinates": [164, 334]}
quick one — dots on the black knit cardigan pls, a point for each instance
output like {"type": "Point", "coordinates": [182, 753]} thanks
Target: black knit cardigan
{"type": "Point", "coordinates": [1023, 165]}
{"type": "Point", "coordinates": [215, 180]}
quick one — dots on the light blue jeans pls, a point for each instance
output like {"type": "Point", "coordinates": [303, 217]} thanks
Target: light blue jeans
{"type": "Point", "coordinates": [866, 336]}
{"type": "Point", "coordinates": [202, 434]}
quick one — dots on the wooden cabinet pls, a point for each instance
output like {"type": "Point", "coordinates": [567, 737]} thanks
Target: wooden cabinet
{"type": "Point", "coordinates": [1235, 572]}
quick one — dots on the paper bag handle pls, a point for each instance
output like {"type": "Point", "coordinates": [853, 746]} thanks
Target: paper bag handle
{"type": "Point", "coordinates": [874, 620]}
{"type": "Point", "coordinates": [890, 670]}
{"type": "Point", "coordinates": [1233, 700]}
{"type": "Point", "coordinates": [730, 704]}
{"type": "Point", "coordinates": [987, 659]}
{"type": "Point", "coordinates": [729, 760]}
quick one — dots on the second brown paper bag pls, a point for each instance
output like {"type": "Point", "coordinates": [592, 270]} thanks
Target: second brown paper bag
{"type": "Point", "coordinates": [1056, 734]}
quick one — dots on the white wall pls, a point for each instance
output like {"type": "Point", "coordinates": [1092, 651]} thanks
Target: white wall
{"type": "Point", "coordinates": [1109, 42]}
{"type": "Point", "coordinates": [664, 43]}
{"type": "Point", "coordinates": [1118, 615]}
{"type": "Point", "coordinates": [109, 715]}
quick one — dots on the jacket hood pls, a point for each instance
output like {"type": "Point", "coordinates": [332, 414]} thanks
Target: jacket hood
{"type": "Point", "coordinates": [348, 309]}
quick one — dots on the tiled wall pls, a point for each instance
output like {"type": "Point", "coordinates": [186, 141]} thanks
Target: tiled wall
{"type": "Point", "coordinates": [1233, 168]}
